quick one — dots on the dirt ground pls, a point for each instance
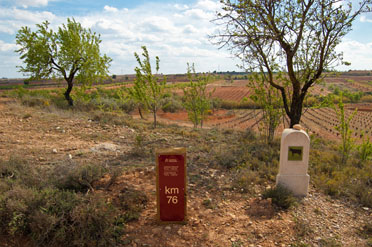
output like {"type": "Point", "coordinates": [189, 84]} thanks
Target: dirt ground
{"type": "Point", "coordinates": [217, 216]}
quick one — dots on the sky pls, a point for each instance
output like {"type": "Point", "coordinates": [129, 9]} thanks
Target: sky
{"type": "Point", "coordinates": [174, 30]}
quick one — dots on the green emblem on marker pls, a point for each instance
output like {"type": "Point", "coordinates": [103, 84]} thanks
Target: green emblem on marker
{"type": "Point", "coordinates": [295, 153]}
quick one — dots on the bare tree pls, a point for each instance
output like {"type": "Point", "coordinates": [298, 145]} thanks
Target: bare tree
{"type": "Point", "coordinates": [289, 42]}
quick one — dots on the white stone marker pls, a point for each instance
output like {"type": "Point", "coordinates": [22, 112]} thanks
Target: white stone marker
{"type": "Point", "coordinates": [294, 161]}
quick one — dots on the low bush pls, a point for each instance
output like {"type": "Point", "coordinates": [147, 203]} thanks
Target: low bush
{"type": "Point", "coordinates": [49, 210]}
{"type": "Point", "coordinates": [127, 106]}
{"type": "Point", "coordinates": [244, 104]}
{"type": "Point", "coordinates": [16, 170]}
{"type": "Point", "coordinates": [76, 177]}
{"type": "Point", "coordinates": [52, 217]}
{"type": "Point", "coordinates": [111, 118]}
{"type": "Point", "coordinates": [133, 202]}
{"type": "Point", "coordinates": [280, 196]}
{"type": "Point", "coordinates": [35, 101]}
{"type": "Point", "coordinates": [171, 104]}
{"type": "Point", "coordinates": [366, 98]}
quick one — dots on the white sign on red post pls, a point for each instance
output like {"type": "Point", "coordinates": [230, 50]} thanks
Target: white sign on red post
{"type": "Point", "coordinates": [171, 185]}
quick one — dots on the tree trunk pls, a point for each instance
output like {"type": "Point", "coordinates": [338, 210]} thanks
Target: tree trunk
{"type": "Point", "coordinates": [154, 111]}
{"type": "Point", "coordinates": [296, 111]}
{"type": "Point", "coordinates": [140, 112]}
{"type": "Point", "coordinates": [196, 121]}
{"type": "Point", "coordinates": [67, 93]}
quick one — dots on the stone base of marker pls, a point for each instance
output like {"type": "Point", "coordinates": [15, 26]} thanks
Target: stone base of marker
{"type": "Point", "coordinates": [294, 159]}
{"type": "Point", "coordinates": [297, 184]}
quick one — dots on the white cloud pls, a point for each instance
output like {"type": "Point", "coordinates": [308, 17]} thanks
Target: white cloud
{"type": "Point", "coordinates": [363, 18]}
{"type": "Point", "coordinates": [359, 54]}
{"type": "Point", "coordinates": [13, 19]}
{"type": "Point", "coordinates": [188, 29]}
{"type": "Point", "coordinates": [7, 46]}
{"type": "Point", "coordinates": [110, 9]}
{"type": "Point", "coordinates": [30, 3]}
{"type": "Point", "coordinates": [176, 33]}
{"type": "Point", "coordinates": [198, 14]}
{"type": "Point", "coordinates": [209, 5]}
{"type": "Point", "coordinates": [181, 7]}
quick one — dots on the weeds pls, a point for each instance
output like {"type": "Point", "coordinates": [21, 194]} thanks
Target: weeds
{"type": "Point", "coordinates": [228, 158]}
{"type": "Point", "coordinates": [365, 149]}
{"type": "Point", "coordinates": [208, 203]}
{"type": "Point", "coordinates": [366, 231]}
{"type": "Point", "coordinates": [301, 228]}
{"type": "Point", "coordinates": [139, 147]}
{"type": "Point", "coordinates": [237, 243]}
{"type": "Point", "coordinates": [245, 179]}
{"type": "Point", "coordinates": [329, 242]}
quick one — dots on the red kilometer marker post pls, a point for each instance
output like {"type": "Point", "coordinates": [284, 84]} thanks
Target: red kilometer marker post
{"type": "Point", "coordinates": [171, 185]}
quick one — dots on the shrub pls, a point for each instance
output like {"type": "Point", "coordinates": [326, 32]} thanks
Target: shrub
{"type": "Point", "coordinates": [311, 101]}
{"type": "Point", "coordinates": [16, 170]}
{"type": "Point", "coordinates": [249, 135]}
{"type": "Point", "coordinates": [49, 216]}
{"type": "Point", "coordinates": [95, 223]}
{"type": "Point", "coordinates": [127, 106]}
{"type": "Point", "coordinates": [106, 104]}
{"type": "Point", "coordinates": [75, 177]}
{"type": "Point", "coordinates": [139, 148]}
{"type": "Point", "coordinates": [111, 117]}
{"type": "Point", "coordinates": [365, 149]}
{"type": "Point", "coordinates": [280, 196]}
{"type": "Point", "coordinates": [133, 202]}
{"type": "Point", "coordinates": [353, 181]}
{"type": "Point", "coordinates": [20, 92]}
{"type": "Point", "coordinates": [243, 104]}
{"type": "Point", "coordinates": [301, 227]}
{"type": "Point", "coordinates": [366, 98]}
{"type": "Point", "coordinates": [52, 217]}
{"type": "Point", "coordinates": [35, 101]}
{"type": "Point", "coordinates": [228, 157]}
{"type": "Point", "coordinates": [216, 103]}
{"type": "Point", "coordinates": [171, 104]}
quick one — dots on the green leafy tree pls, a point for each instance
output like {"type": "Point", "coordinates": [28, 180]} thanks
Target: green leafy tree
{"type": "Point", "coordinates": [270, 103]}
{"type": "Point", "coordinates": [72, 53]}
{"type": "Point", "coordinates": [295, 38]}
{"type": "Point", "coordinates": [344, 129]}
{"type": "Point", "coordinates": [138, 93]}
{"type": "Point", "coordinates": [197, 101]}
{"type": "Point", "coordinates": [148, 90]}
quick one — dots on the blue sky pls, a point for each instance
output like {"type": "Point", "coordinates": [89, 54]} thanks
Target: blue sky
{"type": "Point", "coordinates": [175, 30]}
